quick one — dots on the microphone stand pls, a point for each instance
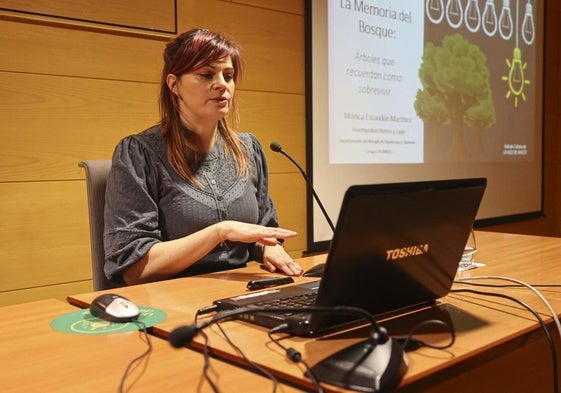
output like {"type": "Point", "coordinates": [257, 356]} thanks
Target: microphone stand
{"type": "Point", "coordinates": [276, 147]}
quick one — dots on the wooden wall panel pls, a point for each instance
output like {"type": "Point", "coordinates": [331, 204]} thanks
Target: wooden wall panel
{"type": "Point", "coordinates": [50, 123]}
{"type": "Point", "coordinates": [276, 117]}
{"type": "Point", "coordinates": [43, 49]}
{"type": "Point", "coordinates": [58, 291]}
{"type": "Point", "coordinates": [118, 109]}
{"type": "Point", "coordinates": [273, 42]}
{"type": "Point", "coordinates": [142, 14]}
{"type": "Point", "coordinates": [289, 194]}
{"type": "Point", "coordinates": [291, 6]}
{"type": "Point", "coordinates": [70, 92]}
{"type": "Point", "coordinates": [44, 232]}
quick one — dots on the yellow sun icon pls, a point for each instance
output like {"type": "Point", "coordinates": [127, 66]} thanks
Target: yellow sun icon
{"type": "Point", "coordinates": [516, 78]}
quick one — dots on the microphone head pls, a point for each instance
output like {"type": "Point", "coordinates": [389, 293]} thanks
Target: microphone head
{"type": "Point", "coordinates": [183, 335]}
{"type": "Point", "coordinates": [275, 146]}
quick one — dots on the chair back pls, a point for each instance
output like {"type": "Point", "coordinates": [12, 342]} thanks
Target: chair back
{"type": "Point", "coordinates": [96, 179]}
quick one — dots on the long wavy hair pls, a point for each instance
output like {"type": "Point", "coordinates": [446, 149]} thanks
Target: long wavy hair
{"type": "Point", "coordinates": [189, 52]}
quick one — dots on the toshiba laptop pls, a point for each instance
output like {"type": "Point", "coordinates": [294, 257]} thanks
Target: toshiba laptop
{"type": "Point", "coordinates": [396, 246]}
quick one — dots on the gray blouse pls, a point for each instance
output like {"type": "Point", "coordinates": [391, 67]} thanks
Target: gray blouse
{"type": "Point", "coordinates": [148, 202]}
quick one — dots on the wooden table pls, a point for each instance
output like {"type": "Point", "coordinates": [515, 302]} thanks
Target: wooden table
{"type": "Point", "coordinates": [499, 345]}
{"type": "Point", "coordinates": [36, 358]}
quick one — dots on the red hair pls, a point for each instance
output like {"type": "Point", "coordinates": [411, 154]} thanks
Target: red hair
{"type": "Point", "coordinates": [189, 52]}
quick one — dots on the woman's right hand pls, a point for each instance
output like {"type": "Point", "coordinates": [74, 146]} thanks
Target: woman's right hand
{"type": "Point", "coordinates": [237, 231]}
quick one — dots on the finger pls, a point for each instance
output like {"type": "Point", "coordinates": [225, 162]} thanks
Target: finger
{"type": "Point", "coordinates": [279, 233]}
{"type": "Point", "coordinates": [296, 269]}
{"type": "Point", "coordinates": [269, 266]}
{"type": "Point", "coordinates": [292, 268]}
{"type": "Point", "coordinates": [284, 233]}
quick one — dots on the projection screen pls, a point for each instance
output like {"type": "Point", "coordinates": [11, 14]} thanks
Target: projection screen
{"type": "Point", "coordinates": [402, 90]}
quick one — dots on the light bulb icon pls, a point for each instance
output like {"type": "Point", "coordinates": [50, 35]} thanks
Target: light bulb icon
{"type": "Point", "coordinates": [516, 78]}
{"type": "Point", "coordinates": [472, 16]}
{"type": "Point", "coordinates": [454, 13]}
{"type": "Point", "coordinates": [528, 26]}
{"type": "Point", "coordinates": [505, 21]}
{"type": "Point", "coordinates": [435, 10]}
{"type": "Point", "coordinates": [489, 21]}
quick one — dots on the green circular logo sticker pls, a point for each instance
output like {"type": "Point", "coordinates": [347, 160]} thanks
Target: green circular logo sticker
{"type": "Point", "coordinates": [83, 322]}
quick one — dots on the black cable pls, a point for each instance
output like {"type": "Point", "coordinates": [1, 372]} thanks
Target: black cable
{"type": "Point", "coordinates": [206, 364]}
{"type": "Point", "coordinates": [293, 354]}
{"type": "Point", "coordinates": [406, 341]}
{"type": "Point", "coordinates": [205, 310]}
{"type": "Point", "coordinates": [536, 315]}
{"type": "Point", "coordinates": [257, 367]}
{"type": "Point", "coordinates": [145, 354]}
{"type": "Point", "coordinates": [206, 357]}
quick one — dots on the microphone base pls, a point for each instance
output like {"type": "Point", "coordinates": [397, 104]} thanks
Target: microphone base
{"type": "Point", "coordinates": [364, 367]}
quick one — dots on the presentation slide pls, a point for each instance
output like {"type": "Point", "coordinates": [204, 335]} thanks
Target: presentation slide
{"type": "Point", "coordinates": [423, 90]}
{"type": "Point", "coordinates": [377, 59]}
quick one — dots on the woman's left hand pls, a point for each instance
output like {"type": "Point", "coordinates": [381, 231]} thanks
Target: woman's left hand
{"type": "Point", "coordinates": [275, 258]}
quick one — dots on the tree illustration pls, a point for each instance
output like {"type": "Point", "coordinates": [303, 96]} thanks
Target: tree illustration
{"type": "Point", "coordinates": [455, 76]}
{"type": "Point", "coordinates": [479, 117]}
{"type": "Point", "coordinates": [431, 109]}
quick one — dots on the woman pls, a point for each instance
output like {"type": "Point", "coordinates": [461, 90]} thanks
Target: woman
{"type": "Point", "coordinates": [190, 195]}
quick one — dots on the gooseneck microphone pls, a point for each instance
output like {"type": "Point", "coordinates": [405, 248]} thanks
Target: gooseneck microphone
{"type": "Point", "coordinates": [383, 358]}
{"type": "Point", "coordinates": [276, 147]}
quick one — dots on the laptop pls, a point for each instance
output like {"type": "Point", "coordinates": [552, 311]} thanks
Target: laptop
{"type": "Point", "coordinates": [396, 247]}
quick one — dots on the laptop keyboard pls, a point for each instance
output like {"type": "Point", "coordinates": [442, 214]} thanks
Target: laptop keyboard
{"type": "Point", "coordinates": [300, 300]}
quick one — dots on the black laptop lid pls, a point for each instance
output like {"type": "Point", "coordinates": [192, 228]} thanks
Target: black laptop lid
{"type": "Point", "coordinates": [398, 245]}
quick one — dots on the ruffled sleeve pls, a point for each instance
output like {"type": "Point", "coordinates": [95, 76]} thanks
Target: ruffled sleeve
{"type": "Point", "coordinates": [131, 207]}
